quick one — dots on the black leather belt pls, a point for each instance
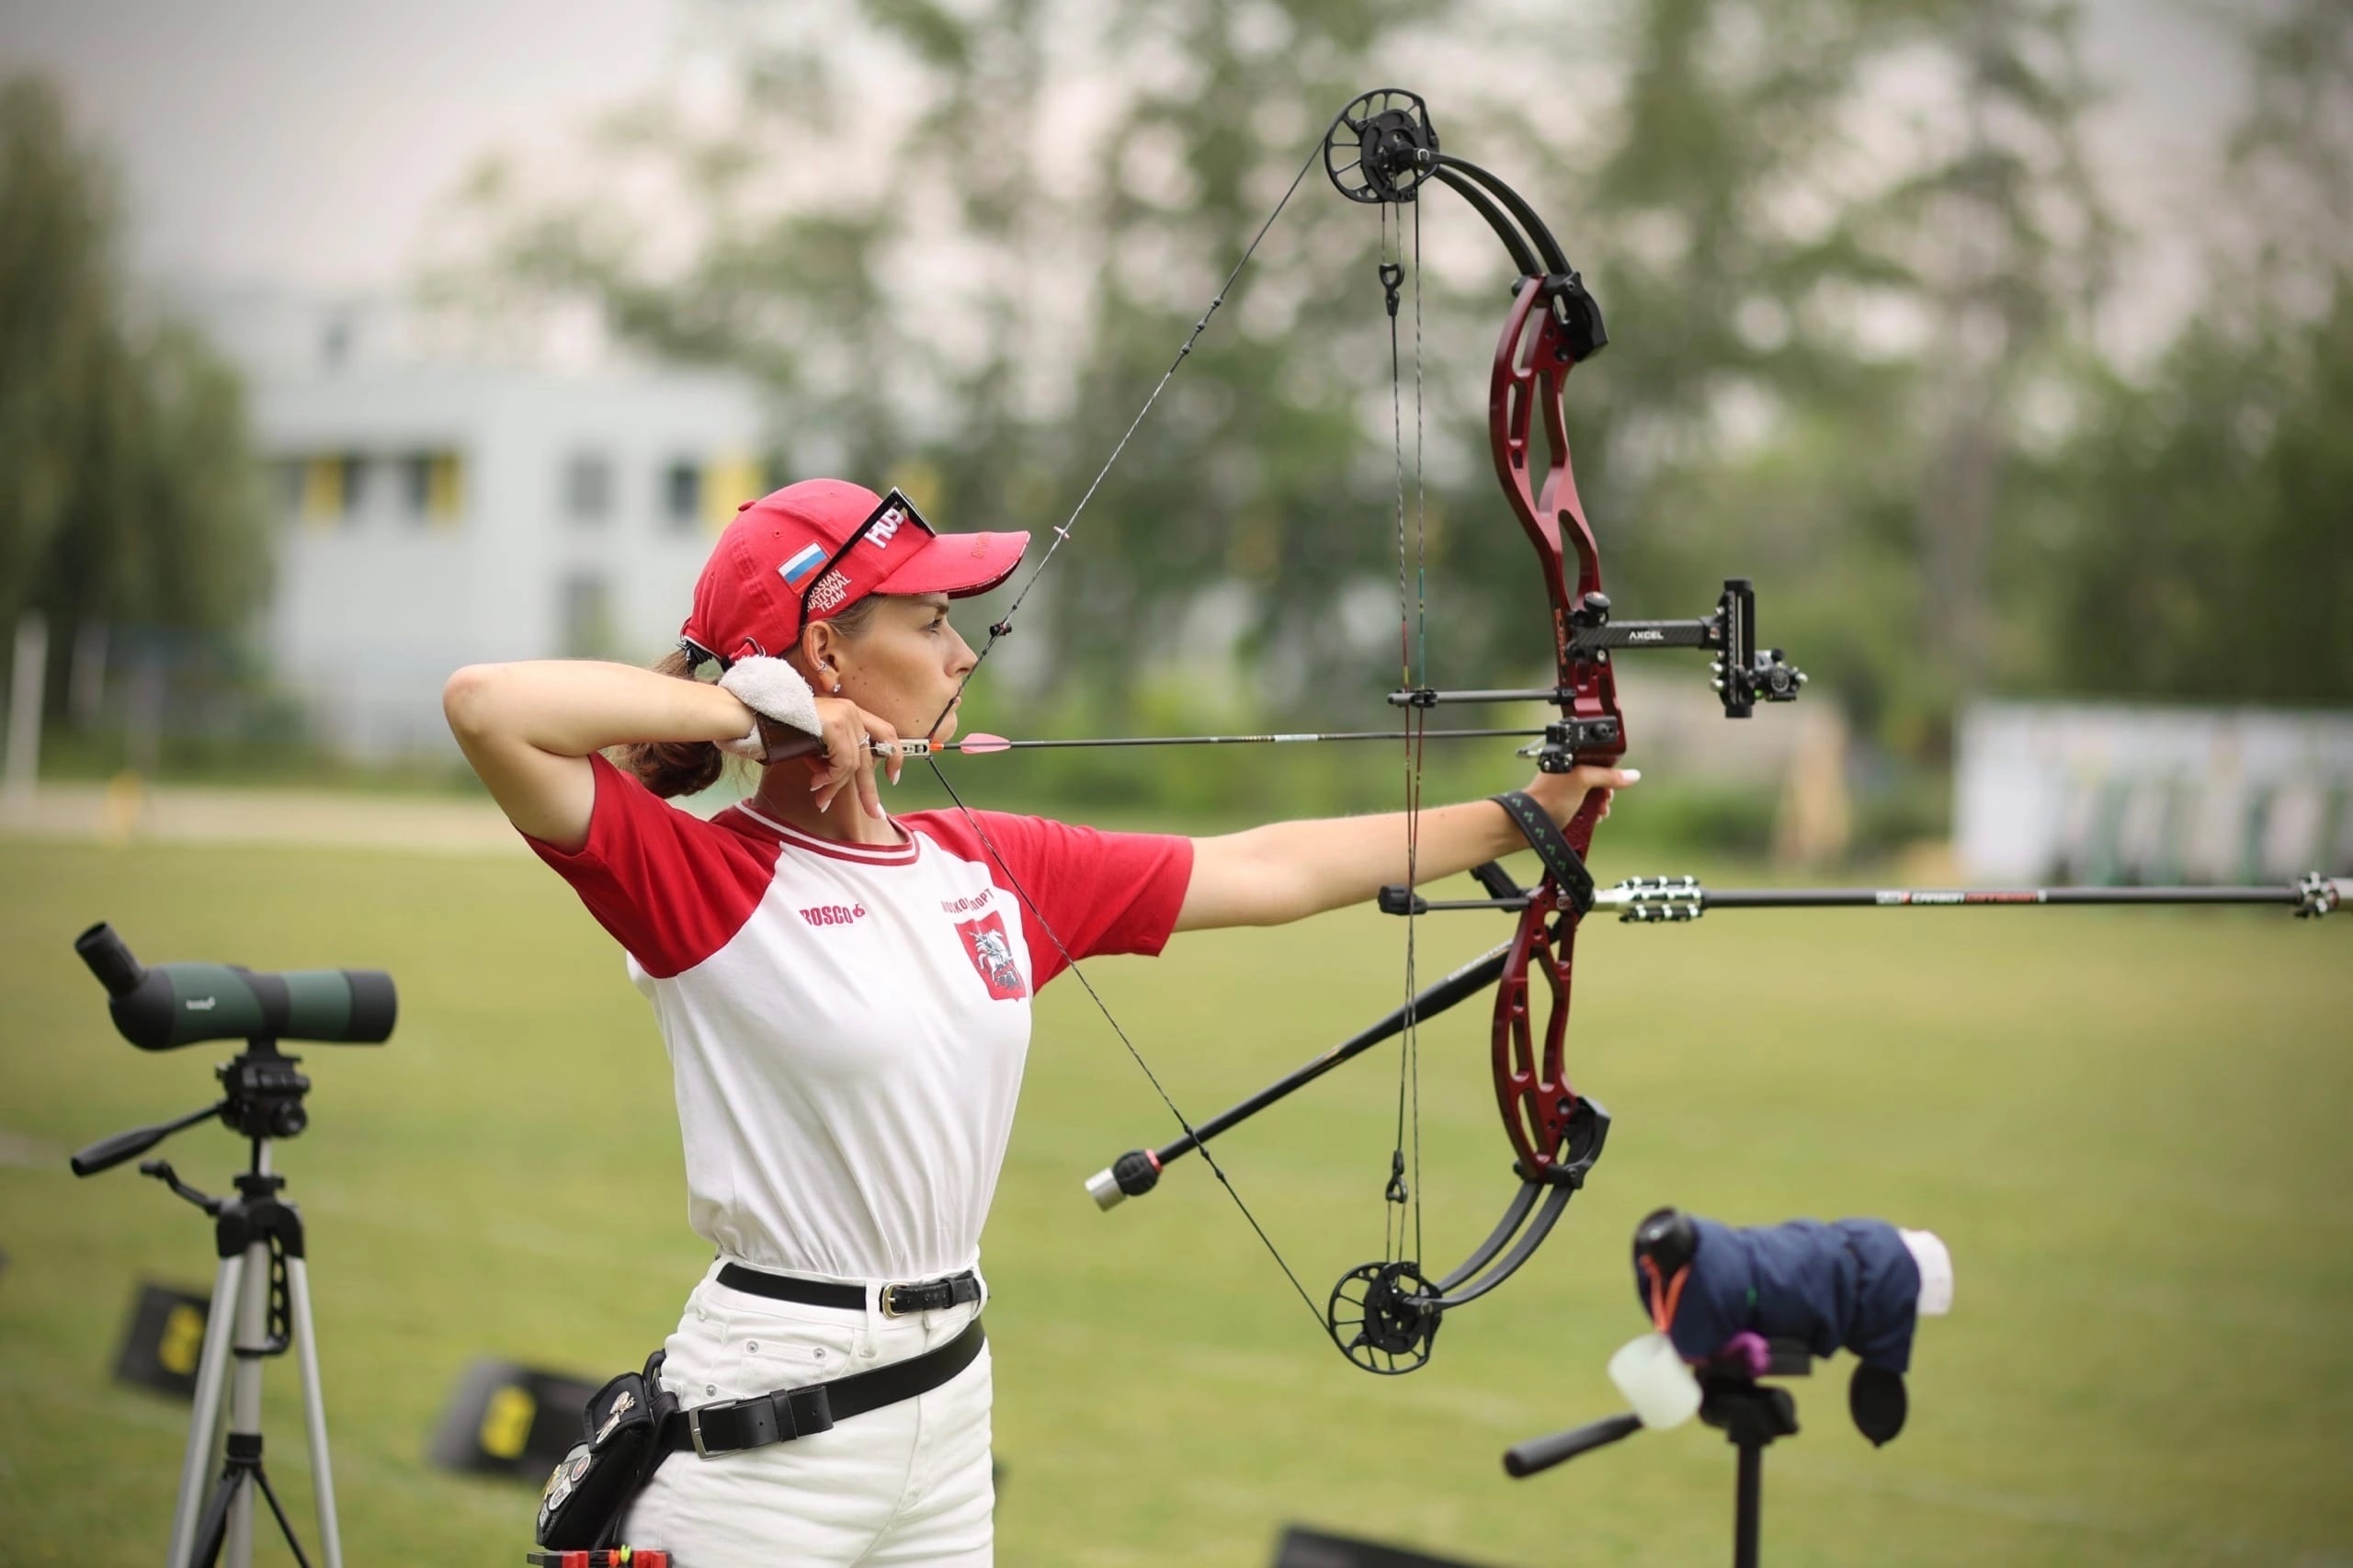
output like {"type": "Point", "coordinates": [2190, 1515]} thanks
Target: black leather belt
{"type": "Point", "coordinates": [898, 1301]}
{"type": "Point", "coordinates": [710, 1430]}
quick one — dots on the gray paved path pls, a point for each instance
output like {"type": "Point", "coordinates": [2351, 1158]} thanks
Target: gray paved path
{"type": "Point", "coordinates": [122, 813]}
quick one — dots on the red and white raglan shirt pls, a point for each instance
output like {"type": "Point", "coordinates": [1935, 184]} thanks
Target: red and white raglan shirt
{"type": "Point", "coordinates": [846, 1023]}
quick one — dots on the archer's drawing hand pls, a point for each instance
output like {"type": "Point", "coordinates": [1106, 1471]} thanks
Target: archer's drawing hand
{"type": "Point", "coordinates": [1562, 794]}
{"type": "Point", "coordinates": [851, 737]}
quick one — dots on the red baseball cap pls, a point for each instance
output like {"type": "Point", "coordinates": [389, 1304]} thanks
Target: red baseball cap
{"type": "Point", "coordinates": [828, 543]}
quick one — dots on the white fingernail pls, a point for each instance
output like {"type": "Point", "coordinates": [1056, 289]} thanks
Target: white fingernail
{"type": "Point", "coordinates": [1632, 774]}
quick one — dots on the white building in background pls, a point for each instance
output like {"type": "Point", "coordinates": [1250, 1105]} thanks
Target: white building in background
{"type": "Point", "coordinates": [435, 514]}
{"type": "Point", "coordinates": [2139, 794]}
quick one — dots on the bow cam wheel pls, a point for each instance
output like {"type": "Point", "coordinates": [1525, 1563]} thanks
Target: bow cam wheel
{"type": "Point", "coordinates": [1381, 147]}
{"type": "Point", "coordinates": [1384, 1316]}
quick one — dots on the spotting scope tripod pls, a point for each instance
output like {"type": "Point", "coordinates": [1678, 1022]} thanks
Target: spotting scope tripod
{"type": "Point", "coordinates": [261, 1294]}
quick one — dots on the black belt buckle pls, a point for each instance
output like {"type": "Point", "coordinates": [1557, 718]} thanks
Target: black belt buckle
{"type": "Point", "coordinates": [765, 1418]}
{"type": "Point", "coordinates": [704, 1450]}
{"type": "Point", "coordinates": [903, 1300]}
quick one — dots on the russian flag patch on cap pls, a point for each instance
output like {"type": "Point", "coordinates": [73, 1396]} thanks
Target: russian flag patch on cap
{"type": "Point", "coordinates": [796, 571]}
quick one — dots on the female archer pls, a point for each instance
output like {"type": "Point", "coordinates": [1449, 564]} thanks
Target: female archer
{"type": "Point", "coordinates": [845, 997]}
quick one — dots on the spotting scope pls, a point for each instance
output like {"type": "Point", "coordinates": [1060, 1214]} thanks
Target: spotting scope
{"type": "Point", "coordinates": [170, 1005]}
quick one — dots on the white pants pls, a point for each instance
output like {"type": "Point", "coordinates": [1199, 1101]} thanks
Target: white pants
{"type": "Point", "coordinates": [907, 1483]}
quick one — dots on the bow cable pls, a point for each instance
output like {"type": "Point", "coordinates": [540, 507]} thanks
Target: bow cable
{"type": "Point", "coordinates": [1413, 664]}
{"type": "Point", "coordinates": [1070, 962]}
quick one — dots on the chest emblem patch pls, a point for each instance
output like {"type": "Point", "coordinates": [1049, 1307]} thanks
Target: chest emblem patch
{"type": "Point", "coordinates": [991, 954]}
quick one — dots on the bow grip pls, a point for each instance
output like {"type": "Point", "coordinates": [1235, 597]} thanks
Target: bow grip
{"type": "Point", "coordinates": [1562, 862]}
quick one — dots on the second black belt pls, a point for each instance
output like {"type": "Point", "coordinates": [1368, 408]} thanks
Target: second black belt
{"type": "Point", "coordinates": [897, 1300]}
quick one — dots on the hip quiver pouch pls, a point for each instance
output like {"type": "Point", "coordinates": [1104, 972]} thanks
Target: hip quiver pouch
{"type": "Point", "coordinates": [588, 1496]}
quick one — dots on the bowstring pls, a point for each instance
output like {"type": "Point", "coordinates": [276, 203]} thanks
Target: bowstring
{"type": "Point", "coordinates": [1004, 626]}
{"type": "Point", "coordinates": [1413, 621]}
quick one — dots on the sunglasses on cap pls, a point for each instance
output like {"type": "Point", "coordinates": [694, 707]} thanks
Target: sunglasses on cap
{"type": "Point", "coordinates": [827, 586]}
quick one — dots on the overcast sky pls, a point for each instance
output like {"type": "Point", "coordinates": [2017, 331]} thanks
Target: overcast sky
{"type": "Point", "coordinates": [306, 141]}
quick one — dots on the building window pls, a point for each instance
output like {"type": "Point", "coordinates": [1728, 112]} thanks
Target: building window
{"type": "Point", "coordinates": [584, 615]}
{"type": "Point", "coordinates": [416, 485]}
{"type": "Point", "coordinates": [323, 491]}
{"type": "Point", "coordinates": [681, 497]}
{"type": "Point", "coordinates": [588, 487]}
{"type": "Point", "coordinates": [433, 487]}
{"type": "Point", "coordinates": [356, 472]}
{"type": "Point", "coordinates": [732, 479]}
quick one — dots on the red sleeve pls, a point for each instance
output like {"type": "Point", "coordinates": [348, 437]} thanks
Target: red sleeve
{"type": "Point", "coordinates": [1093, 892]}
{"type": "Point", "coordinates": [672, 888]}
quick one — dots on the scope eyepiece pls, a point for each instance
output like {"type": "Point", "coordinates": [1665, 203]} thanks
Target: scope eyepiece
{"type": "Point", "coordinates": [109, 960]}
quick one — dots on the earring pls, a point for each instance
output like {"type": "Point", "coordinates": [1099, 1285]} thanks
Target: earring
{"type": "Point", "coordinates": [837, 688]}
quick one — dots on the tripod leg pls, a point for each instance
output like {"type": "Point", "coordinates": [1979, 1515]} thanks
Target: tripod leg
{"type": "Point", "coordinates": [245, 1393]}
{"type": "Point", "coordinates": [204, 1415]}
{"type": "Point", "coordinates": [204, 1549]}
{"type": "Point", "coordinates": [314, 1411]}
{"type": "Point", "coordinates": [285, 1525]}
{"type": "Point", "coordinates": [244, 1471]}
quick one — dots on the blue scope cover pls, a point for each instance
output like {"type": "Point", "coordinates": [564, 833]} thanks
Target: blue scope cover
{"type": "Point", "coordinates": [1846, 1284]}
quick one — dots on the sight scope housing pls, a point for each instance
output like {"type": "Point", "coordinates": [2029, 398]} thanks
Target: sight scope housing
{"type": "Point", "coordinates": [166, 1006]}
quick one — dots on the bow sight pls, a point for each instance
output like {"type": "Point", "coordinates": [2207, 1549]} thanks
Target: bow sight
{"type": "Point", "coordinates": [1744, 675]}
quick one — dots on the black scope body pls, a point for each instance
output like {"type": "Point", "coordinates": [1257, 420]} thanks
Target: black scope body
{"type": "Point", "coordinates": [161, 1007]}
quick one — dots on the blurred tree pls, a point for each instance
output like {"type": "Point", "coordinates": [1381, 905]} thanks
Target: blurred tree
{"type": "Point", "coordinates": [1849, 248]}
{"type": "Point", "coordinates": [1743, 422]}
{"type": "Point", "coordinates": [2011, 242]}
{"type": "Point", "coordinates": [56, 304]}
{"type": "Point", "coordinates": [979, 312]}
{"type": "Point", "coordinates": [127, 488]}
{"type": "Point", "coordinates": [1260, 472]}
{"type": "Point", "coordinates": [2291, 159]}
{"type": "Point", "coordinates": [2198, 535]}
{"type": "Point", "coordinates": [2201, 528]}
{"type": "Point", "coordinates": [1845, 240]}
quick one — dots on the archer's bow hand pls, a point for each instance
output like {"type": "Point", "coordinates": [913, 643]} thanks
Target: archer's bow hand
{"type": "Point", "coordinates": [1561, 794]}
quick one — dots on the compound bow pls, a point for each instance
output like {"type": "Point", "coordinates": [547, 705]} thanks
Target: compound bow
{"type": "Point", "coordinates": [1382, 149]}
{"type": "Point", "coordinates": [1383, 1315]}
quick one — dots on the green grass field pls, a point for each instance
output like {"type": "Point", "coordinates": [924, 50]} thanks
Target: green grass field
{"type": "Point", "coordinates": [2130, 1126]}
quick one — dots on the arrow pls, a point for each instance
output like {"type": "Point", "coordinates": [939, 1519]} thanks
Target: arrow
{"type": "Point", "coordinates": [981, 746]}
